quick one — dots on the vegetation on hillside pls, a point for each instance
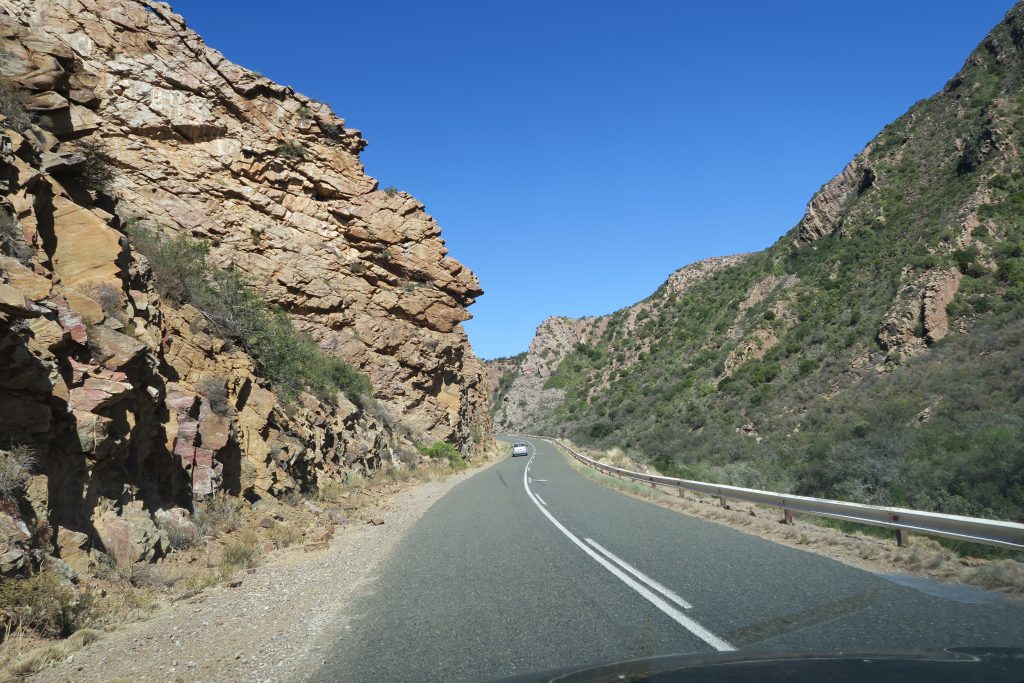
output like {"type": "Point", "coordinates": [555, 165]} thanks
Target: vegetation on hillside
{"type": "Point", "coordinates": [507, 377]}
{"type": "Point", "coordinates": [794, 390]}
{"type": "Point", "coordinates": [287, 357]}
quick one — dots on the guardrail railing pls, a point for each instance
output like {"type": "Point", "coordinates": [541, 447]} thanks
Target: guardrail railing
{"type": "Point", "coordinates": [903, 521]}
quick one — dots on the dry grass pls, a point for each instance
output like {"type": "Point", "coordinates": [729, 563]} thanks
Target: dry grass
{"type": "Point", "coordinates": [16, 465]}
{"type": "Point", "coordinates": [241, 552]}
{"type": "Point", "coordinates": [284, 535]}
{"type": "Point", "coordinates": [923, 556]}
{"type": "Point", "coordinates": [19, 659]}
{"type": "Point", "coordinates": [220, 514]}
{"type": "Point", "coordinates": [182, 537]}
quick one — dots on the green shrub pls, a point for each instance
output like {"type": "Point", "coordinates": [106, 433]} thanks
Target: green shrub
{"type": "Point", "coordinates": [291, 150]}
{"type": "Point", "coordinates": [442, 450]}
{"type": "Point", "coordinates": [807, 366]}
{"type": "Point", "coordinates": [97, 173]}
{"type": "Point", "coordinates": [290, 359]}
{"type": "Point", "coordinates": [390, 190]}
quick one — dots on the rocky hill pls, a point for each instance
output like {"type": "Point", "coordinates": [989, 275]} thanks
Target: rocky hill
{"type": "Point", "coordinates": [523, 393]}
{"type": "Point", "coordinates": [200, 288]}
{"type": "Point", "coordinates": [873, 353]}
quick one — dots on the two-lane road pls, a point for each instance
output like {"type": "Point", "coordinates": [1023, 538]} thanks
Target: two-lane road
{"type": "Point", "coordinates": [529, 566]}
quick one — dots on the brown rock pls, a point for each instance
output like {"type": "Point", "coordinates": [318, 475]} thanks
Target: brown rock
{"type": "Point", "coordinates": [14, 545]}
{"type": "Point", "coordinates": [130, 537]}
{"type": "Point", "coordinates": [376, 521]}
{"type": "Point", "coordinates": [98, 392]}
{"type": "Point", "coordinates": [35, 287]}
{"type": "Point", "coordinates": [46, 335]}
{"type": "Point", "coordinates": [114, 350]}
{"type": "Point", "coordinates": [70, 320]}
{"type": "Point", "coordinates": [16, 304]}
{"type": "Point", "coordinates": [87, 248]}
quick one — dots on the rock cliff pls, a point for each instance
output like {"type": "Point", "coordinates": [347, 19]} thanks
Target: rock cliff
{"type": "Point", "coordinates": [272, 179]}
{"type": "Point", "coordinates": [123, 404]}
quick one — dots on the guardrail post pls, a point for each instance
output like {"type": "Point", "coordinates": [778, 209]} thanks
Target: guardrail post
{"type": "Point", "coordinates": [722, 502]}
{"type": "Point", "coordinates": [902, 537]}
{"type": "Point", "coordinates": [654, 486]}
{"type": "Point", "coordinates": [787, 517]}
{"type": "Point", "coordinates": [682, 492]}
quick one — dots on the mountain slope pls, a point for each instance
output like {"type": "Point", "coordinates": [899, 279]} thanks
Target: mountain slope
{"type": "Point", "coordinates": [874, 352]}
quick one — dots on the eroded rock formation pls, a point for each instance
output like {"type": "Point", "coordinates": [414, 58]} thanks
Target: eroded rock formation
{"type": "Point", "coordinates": [134, 407]}
{"type": "Point", "coordinates": [272, 179]}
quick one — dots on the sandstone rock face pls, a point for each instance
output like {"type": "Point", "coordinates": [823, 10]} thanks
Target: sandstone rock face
{"type": "Point", "coordinates": [523, 405]}
{"type": "Point", "coordinates": [205, 147]}
{"type": "Point", "coordinates": [917, 317]}
{"type": "Point", "coordinates": [825, 210]}
{"type": "Point", "coordinates": [133, 407]}
{"type": "Point", "coordinates": [527, 399]}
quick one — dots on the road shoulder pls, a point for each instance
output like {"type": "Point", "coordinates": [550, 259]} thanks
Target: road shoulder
{"type": "Point", "coordinates": [270, 627]}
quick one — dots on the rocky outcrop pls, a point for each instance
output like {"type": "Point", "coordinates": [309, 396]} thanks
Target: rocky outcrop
{"type": "Point", "coordinates": [204, 147]}
{"type": "Point", "coordinates": [917, 317]}
{"type": "Point", "coordinates": [524, 404]}
{"type": "Point", "coordinates": [825, 210]}
{"type": "Point", "coordinates": [133, 406]}
{"type": "Point", "coordinates": [527, 399]}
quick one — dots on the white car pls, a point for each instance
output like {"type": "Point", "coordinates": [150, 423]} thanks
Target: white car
{"type": "Point", "coordinates": [520, 449]}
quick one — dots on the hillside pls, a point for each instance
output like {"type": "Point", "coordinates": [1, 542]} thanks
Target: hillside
{"type": "Point", "coordinates": [523, 391]}
{"type": "Point", "coordinates": [201, 291]}
{"type": "Point", "coordinates": [873, 353]}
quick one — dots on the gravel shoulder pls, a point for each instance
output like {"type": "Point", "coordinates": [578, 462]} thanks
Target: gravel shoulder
{"type": "Point", "coordinates": [274, 627]}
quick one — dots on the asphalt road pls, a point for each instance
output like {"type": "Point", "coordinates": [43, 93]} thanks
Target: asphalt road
{"type": "Point", "coordinates": [518, 571]}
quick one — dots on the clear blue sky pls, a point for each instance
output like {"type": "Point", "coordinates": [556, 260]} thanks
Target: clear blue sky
{"type": "Point", "coordinates": [576, 153]}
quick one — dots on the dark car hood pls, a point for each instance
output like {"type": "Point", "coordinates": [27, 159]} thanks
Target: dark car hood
{"type": "Point", "coordinates": [983, 665]}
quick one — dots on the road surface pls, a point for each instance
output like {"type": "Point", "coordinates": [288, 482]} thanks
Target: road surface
{"type": "Point", "coordinates": [530, 566]}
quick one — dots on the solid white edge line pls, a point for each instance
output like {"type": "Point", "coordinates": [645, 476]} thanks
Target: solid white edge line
{"type": "Point", "coordinates": [541, 500]}
{"type": "Point", "coordinates": [656, 600]}
{"type": "Point", "coordinates": [667, 592]}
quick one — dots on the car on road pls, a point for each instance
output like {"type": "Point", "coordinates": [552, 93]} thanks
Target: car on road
{"type": "Point", "coordinates": [520, 449]}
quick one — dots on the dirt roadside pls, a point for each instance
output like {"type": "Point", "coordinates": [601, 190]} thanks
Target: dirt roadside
{"type": "Point", "coordinates": [270, 628]}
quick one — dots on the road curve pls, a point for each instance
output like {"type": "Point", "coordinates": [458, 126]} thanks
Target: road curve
{"type": "Point", "coordinates": [529, 566]}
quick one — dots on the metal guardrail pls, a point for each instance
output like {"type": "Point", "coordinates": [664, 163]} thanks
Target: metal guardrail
{"type": "Point", "coordinates": [903, 521]}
